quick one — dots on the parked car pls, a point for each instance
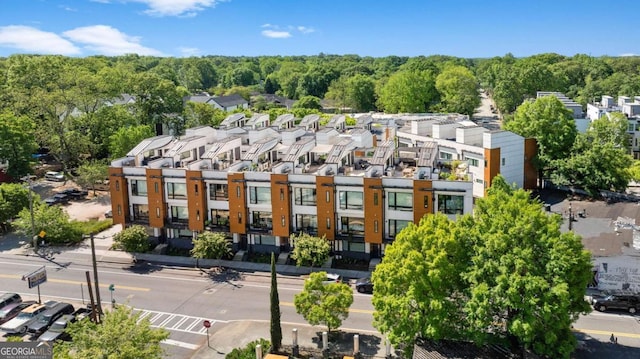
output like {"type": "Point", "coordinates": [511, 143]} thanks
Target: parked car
{"type": "Point", "coordinates": [9, 311]}
{"type": "Point", "coordinates": [364, 285]}
{"type": "Point", "coordinates": [332, 278]}
{"type": "Point", "coordinates": [57, 331]}
{"type": "Point", "coordinates": [627, 302]}
{"type": "Point", "coordinates": [9, 298]}
{"type": "Point", "coordinates": [57, 199]}
{"type": "Point", "coordinates": [74, 193]}
{"type": "Point", "coordinates": [19, 324]}
{"type": "Point", "coordinates": [49, 316]}
{"type": "Point", "coordinates": [108, 214]}
{"type": "Point", "coordinates": [54, 176]}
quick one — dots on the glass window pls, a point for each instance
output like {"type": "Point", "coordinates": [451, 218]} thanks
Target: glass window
{"type": "Point", "coordinates": [218, 191]}
{"type": "Point", "coordinates": [473, 162]}
{"type": "Point", "coordinates": [396, 225]}
{"type": "Point", "coordinates": [400, 201]}
{"type": "Point", "coordinates": [305, 196]}
{"type": "Point", "coordinates": [139, 187]}
{"type": "Point", "coordinates": [140, 211]}
{"type": "Point", "coordinates": [307, 223]}
{"type": "Point", "coordinates": [450, 204]}
{"type": "Point", "coordinates": [176, 190]}
{"type": "Point", "coordinates": [179, 213]}
{"type": "Point", "coordinates": [261, 220]}
{"type": "Point", "coordinates": [375, 198]}
{"type": "Point", "coordinates": [264, 239]}
{"type": "Point", "coordinates": [352, 225]}
{"type": "Point", "coordinates": [351, 200]}
{"type": "Point", "coordinates": [260, 195]}
{"type": "Point", "coordinates": [446, 155]}
{"type": "Point", "coordinates": [220, 217]}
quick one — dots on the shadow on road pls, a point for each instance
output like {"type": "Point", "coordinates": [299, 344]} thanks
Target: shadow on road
{"type": "Point", "coordinates": [342, 343]}
{"type": "Point", "coordinates": [592, 348]}
{"type": "Point", "coordinates": [223, 274]}
{"type": "Point", "coordinates": [143, 267]}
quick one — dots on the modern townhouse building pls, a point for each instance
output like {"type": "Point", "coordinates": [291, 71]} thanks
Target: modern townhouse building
{"type": "Point", "coordinates": [262, 181]}
{"type": "Point", "coordinates": [626, 105]}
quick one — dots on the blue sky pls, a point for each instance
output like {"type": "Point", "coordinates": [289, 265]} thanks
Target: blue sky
{"type": "Point", "coordinates": [463, 28]}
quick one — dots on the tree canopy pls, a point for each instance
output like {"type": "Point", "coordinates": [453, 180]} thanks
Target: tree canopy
{"type": "Point", "coordinates": [309, 250]}
{"type": "Point", "coordinates": [212, 245]}
{"type": "Point", "coordinates": [506, 274]}
{"type": "Point", "coordinates": [326, 304]}
{"type": "Point", "coordinates": [134, 239]}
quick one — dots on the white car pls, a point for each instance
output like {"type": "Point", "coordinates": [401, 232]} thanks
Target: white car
{"type": "Point", "coordinates": [20, 323]}
{"type": "Point", "coordinates": [332, 278]}
{"type": "Point", "coordinates": [54, 176]}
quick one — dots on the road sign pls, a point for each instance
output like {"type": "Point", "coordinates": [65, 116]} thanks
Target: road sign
{"type": "Point", "coordinates": [112, 287]}
{"type": "Point", "coordinates": [36, 278]}
{"type": "Point", "coordinates": [207, 324]}
{"type": "Point", "coordinates": [42, 234]}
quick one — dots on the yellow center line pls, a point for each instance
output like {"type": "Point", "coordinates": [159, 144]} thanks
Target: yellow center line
{"type": "Point", "coordinates": [65, 281]}
{"type": "Point", "coordinates": [606, 333]}
{"type": "Point", "coordinates": [365, 311]}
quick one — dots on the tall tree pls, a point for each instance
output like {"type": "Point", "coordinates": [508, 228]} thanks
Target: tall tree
{"type": "Point", "coordinates": [17, 143]}
{"type": "Point", "coordinates": [548, 121]}
{"type": "Point", "coordinates": [309, 250]}
{"type": "Point", "coordinates": [121, 334]}
{"type": "Point", "coordinates": [92, 173]}
{"type": "Point", "coordinates": [212, 245]}
{"type": "Point", "coordinates": [408, 91]}
{"type": "Point", "coordinates": [52, 220]}
{"type": "Point", "coordinates": [275, 327]}
{"type": "Point", "coordinates": [458, 90]}
{"type": "Point", "coordinates": [321, 303]}
{"type": "Point", "coordinates": [126, 138]}
{"type": "Point", "coordinates": [13, 199]}
{"type": "Point", "coordinates": [611, 128]}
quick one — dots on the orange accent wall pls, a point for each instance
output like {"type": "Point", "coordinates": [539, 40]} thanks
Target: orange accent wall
{"type": "Point", "coordinates": [422, 189]}
{"type": "Point", "coordinates": [530, 173]}
{"type": "Point", "coordinates": [280, 205]}
{"type": "Point", "coordinates": [155, 195]}
{"type": "Point", "coordinates": [238, 215]}
{"type": "Point", "coordinates": [196, 201]}
{"type": "Point", "coordinates": [119, 196]}
{"type": "Point", "coordinates": [373, 212]}
{"type": "Point", "coordinates": [326, 209]}
{"type": "Point", "coordinates": [492, 165]}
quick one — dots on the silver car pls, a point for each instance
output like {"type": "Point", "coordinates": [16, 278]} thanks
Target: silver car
{"type": "Point", "coordinates": [19, 324]}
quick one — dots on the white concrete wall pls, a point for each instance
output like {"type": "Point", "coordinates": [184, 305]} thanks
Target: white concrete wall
{"type": "Point", "coordinates": [618, 272]}
{"type": "Point", "coordinates": [511, 154]}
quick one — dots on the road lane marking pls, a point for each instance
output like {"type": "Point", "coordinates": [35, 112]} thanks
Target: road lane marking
{"type": "Point", "coordinates": [606, 333]}
{"type": "Point", "coordinates": [351, 310]}
{"type": "Point", "coordinates": [180, 344]}
{"type": "Point", "coordinates": [75, 282]}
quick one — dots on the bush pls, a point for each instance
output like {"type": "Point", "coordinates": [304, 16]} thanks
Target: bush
{"type": "Point", "coordinates": [92, 226]}
{"type": "Point", "coordinates": [249, 352]}
{"type": "Point", "coordinates": [133, 239]}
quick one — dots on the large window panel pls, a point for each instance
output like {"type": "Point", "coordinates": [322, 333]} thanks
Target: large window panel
{"type": "Point", "coordinates": [396, 225]}
{"type": "Point", "coordinates": [351, 200]}
{"type": "Point", "coordinates": [179, 213]}
{"type": "Point", "coordinates": [140, 211]}
{"type": "Point", "coordinates": [139, 187]}
{"type": "Point", "coordinates": [176, 190]}
{"type": "Point", "coordinates": [220, 217]}
{"type": "Point", "coordinates": [305, 196]}
{"type": "Point", "coordinates": [307, 223]}
{"type": "Point", "coordinates": [450, 204]}
{"type": "Point", "coordinates": [400, 201]}
{"type": "Point", "coordinates": [260, 195]}
{"type": "Point", "coordinates": [261, 220]}
{"type": "Point", "coordinates": [218, 191]}
{"type": "Point", "coordinates": [352, 226]}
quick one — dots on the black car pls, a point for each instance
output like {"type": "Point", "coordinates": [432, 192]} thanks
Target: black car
{"type": "Point", "coordinates": [57, 199]}
{"type": "Point", "coordinates": [50, 316]}
{"type": "Point", "coordinates": [57, 331]}
{"type": "Point", "coordinates": [364, 285]}
{"type": "Point", "coordinates": [627, 302]}
{"type": "Point", "coordinates": [74, 193]}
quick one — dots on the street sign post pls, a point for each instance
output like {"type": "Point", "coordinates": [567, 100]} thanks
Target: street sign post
{"type": "Point", "coordinates": [112, 288]}
{"type": "Point", "coordinates": [35, 278]}
{"type": "Point", "coordinates": [207, 324]}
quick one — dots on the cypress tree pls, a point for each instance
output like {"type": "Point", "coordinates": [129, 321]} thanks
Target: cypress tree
{"type": "Point", "coordinates": [276, 328]}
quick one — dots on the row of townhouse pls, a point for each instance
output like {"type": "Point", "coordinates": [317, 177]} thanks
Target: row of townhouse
{"type": "Point", "coordinates": [626, 105]}
{"type": "Point", "coordinates": [259, 181]}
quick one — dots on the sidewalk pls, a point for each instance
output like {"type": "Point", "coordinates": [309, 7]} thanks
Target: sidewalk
{"type": "Point", "coordinates": [224, 337]}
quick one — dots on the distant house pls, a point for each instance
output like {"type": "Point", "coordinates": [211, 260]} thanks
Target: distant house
{"type": "Point", "coordinates": [276, 100]}
{"type": "Point", "coordinates": [225, 103]}
{"type": "Point", "coordinates": [123, 99]}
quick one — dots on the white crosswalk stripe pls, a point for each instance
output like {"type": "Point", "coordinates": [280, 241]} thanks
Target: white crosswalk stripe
{"type": "Point", "coordinates": [175, 322]}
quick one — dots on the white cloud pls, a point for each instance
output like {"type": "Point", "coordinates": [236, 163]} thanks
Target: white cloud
{"type": "Point", "coordinates": [68, 8]}
{"type": "Point", "coordinates": [276, 34]}
{"type": "Point", "coordinates": [108, 41]}
{"type": "Point", "coordinates": [176, 7]}
{"type": "Point", "coordinates": [36, 41]}
{"type": "Point", "coordinates": [628, 55]}
{"type": "Point", "coordinates": [306, 30]}
{"type": "Point", "coordinates": [189, 51]}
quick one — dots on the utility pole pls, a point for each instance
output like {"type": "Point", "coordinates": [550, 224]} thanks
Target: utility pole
{"type": "Point", "coordinates": [34, 236]}
{"type": "Point", "coordinates": [570, 217]}
{"type": "Point", "coordinates": [94, 311]}
{"type": "Point", "coordinates": [95, 277]}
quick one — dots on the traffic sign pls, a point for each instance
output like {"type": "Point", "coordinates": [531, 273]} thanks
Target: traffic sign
{"type": "Point", "coordinates": [207, 324]}
{"type": "Point", "coordinates": [112, 287]}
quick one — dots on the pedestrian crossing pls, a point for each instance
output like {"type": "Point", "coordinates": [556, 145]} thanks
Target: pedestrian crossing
{"type": "Point", "coordinates": [174, 322]}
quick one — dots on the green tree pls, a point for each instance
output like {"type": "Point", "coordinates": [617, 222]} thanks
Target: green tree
{"type": "Point", "coordinates": [121, 334]}
{"type": "Point", "coordinates": [458, 90]}
{"type": "Point", "coordinates": [211, 245]}
{"type": "Point", "coordinates": [311, 102]}
{"type": "Point", "coordinates": [610, 128]}
{"type": "Point", "coordinates": [548, 121]}
{"type": "Point", "coordinates": [275, 327]}
{"type": "Point", "coordinates": [126, 138]}
{"type": "Point", "coordinates": [17, 143]}
{"type": "Point", "coordinates": [527, 279]}
{"type": "Point", "coordinates": [309, 250]}
{"type": "Point", "coordinates": [90, 173]}
{"type": "Point", "coordinates": [13, 199]}
{"type": "Point", "coordinates": [249, 351]}
{"type": "Point", "coordinates": [419, 285]}
{"type": "Point", "coordinates": [356, 92]}
{"type": "Point", "coordinates": [134, 239]}
{"type": "Point", "coordinates": [50, 219]}
{"type": "Point", "coordinates": [326, 304]}
{"type": "Point", "coordinates": [408, 91]}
